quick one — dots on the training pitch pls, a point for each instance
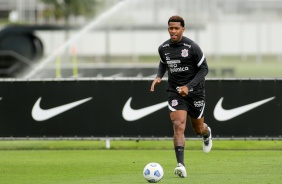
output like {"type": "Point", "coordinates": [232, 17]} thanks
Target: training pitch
{"type": "Point", "coordinates": [88, 162]}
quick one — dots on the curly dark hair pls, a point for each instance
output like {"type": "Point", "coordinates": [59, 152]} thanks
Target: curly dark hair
{"type": "Point", "coordinates": [176, 18]}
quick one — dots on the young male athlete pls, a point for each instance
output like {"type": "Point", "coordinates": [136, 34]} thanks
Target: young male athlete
{"type": "Point", "coordinates": [186, 65]}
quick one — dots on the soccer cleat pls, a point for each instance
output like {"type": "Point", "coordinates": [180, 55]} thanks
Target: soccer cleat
{"type": "Point", "coordinates": [207, 142]}
{"type": "Point", "coordinates": [180, 171]}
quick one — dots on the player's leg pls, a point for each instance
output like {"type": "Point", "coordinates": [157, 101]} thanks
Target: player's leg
{"type": "Point", "coordinates": [178, 115]}
{"type": "Point", "coordinates": [178, 119]}
{"type": "Point", "coordinates": [202, 129]}
{"type": "Point", "coordinates": [199, 126]}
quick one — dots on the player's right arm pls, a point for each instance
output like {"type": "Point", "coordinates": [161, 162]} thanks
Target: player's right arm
{"type": "Point", "coordinates": [155, 82]}
{"type": "Point", "coordinates": [161, 71]}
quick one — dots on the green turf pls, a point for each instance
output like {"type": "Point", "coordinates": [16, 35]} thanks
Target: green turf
{"type": "Point", "coordinates": [83, 162]}
{"type": "Point", "coordinates": [245, 66]}
{"type": "Point", "coordinates": [126, 166]}
{"type": "Point", "coordinates": [142, 144]}
{"type": "Point", "coordinates": [248, 66]}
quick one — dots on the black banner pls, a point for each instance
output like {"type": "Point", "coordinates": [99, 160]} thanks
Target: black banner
{"type": "Point", "coordinates": [127, 108]}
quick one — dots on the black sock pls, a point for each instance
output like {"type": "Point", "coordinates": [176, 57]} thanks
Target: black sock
{"type": "Point", "coordinates": [207, 135]}
{"type": "Point", "coordinates": [179, 152]}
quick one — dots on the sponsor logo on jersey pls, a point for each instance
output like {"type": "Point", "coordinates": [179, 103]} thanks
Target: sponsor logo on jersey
{"type": "Point", "coordinates": [187, 45]}
{"type": "Point", "coordinates": [173, 62]}
{"type": "Point", "coordinates": [179, 69]}
{"type": "Point", "coordinates": [199, 103]}
{"type": "Point", "coordinates": [165, 45]}
{"type": "Point", "coordinates": [173, 66]}
{"type": "Point", "coordinates": [184, 53]}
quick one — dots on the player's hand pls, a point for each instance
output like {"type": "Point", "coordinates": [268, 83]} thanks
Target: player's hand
{"type": "Point", "coordinates": [155, 82]}
{"type": "Point", "coordinates": [183, 90]}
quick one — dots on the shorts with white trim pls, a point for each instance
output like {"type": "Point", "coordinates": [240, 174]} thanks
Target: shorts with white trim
{"type": "Point", "coordinates": [192, 103]}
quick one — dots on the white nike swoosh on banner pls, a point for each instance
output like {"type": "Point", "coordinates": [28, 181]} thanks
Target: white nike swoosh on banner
{"type": "Point", "coordinates": [40, 114]}
{"type": "Point", "coordinates": [221, 114]}
{"type": "Point", "coordinates": [130, 114]}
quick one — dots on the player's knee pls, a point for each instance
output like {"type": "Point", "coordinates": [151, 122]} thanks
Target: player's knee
{"type": "Point", "coordinates": [179, 126]}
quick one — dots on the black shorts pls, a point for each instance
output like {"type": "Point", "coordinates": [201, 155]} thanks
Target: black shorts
{"type": "Point", "coordinates": [194, 104]}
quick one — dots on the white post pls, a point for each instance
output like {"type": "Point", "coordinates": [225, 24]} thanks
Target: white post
{"type": "Point", "coordinates": [108, 143]}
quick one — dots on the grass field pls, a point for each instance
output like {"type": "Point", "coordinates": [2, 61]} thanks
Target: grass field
{"type": "Point", "coordinates": [85, 162]}
{"type": "Point", "coordinates": [252, 66]}
{"type": "Point", "coordinates": [267, 66]}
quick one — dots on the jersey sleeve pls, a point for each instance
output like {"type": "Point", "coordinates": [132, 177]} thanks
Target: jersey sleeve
{"type": "Point", "coordinates": [162, 69]}
{"type": "Point", "coordinates": [162, 66]}
{"type": "Point", "coordinates": [201, 62]}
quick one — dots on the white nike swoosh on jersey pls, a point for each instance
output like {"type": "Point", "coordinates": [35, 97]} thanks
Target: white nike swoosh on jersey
{"type": "Point", "coordinates": [221, 114]}
{"type": "Point", "coordinates": [130, 114]}
{"type": "Point", "coordinates": [40, 114]}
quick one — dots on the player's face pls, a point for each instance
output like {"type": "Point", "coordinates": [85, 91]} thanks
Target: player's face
{"type": "Point", "coordinates": [175, 31]}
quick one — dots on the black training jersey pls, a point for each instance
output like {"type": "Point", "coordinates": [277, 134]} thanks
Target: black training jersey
{"type": "Point", "coordinates": [185, 62]}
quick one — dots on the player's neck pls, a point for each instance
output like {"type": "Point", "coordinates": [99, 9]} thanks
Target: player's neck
{"type": "Point", "coordinates": [177, 40]}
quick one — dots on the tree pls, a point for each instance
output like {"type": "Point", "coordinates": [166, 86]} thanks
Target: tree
{"type": "Point", "coordinates": [64, 9]}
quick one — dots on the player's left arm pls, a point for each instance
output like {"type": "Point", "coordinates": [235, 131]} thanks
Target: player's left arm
{"type": "Point", "coordinates": [202, 67]}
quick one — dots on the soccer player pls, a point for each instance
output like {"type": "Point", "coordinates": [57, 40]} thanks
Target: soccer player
{"type": "Point", "coordinates": [186, 65]}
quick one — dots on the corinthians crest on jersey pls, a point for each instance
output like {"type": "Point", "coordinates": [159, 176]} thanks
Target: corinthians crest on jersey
{"type": "Point", "coordinates": [184, 53]}
{"type": "Point", "coordinates": [174, 103]}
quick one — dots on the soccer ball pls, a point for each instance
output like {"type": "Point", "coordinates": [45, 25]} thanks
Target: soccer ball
{"type": "Point", "coordinates": [153, 172]}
